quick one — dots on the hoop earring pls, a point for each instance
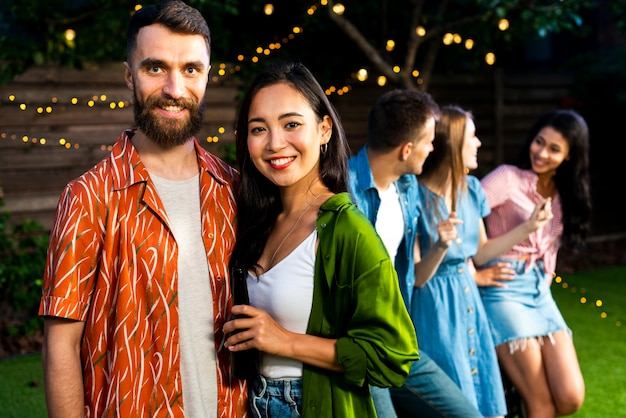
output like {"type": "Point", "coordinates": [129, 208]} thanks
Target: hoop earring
{"type": "Point", "coordinates": [324, 148]}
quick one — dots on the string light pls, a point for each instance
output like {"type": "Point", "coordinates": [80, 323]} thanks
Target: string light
{"type": "Point", "coordinates": [599, 303]}
{"type": "Point", "coordinates": [490, 58]}
{"type": "Point", "coordinates": [94, 101]}
{"type": "Point", "coordinates": [225, 69]}
{"type": "Point", "coordinates": [339, 9]}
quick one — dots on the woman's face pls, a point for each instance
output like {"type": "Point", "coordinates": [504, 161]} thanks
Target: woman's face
{"type": "Point", "coordinates": [471, 143]}
{"type": "Point", "coordinates": [548, 150]}
{"type": "Point", "coordinates": [285, 135]}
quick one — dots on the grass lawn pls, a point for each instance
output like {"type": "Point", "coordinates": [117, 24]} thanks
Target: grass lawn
{"type": "Point", "coordinates": [599, 336]}
{"type": "Point", "coordinates": [21, 387]}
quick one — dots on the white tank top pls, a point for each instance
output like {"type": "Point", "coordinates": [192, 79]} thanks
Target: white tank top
{"type": "Point", "coordinates": [286, 293]}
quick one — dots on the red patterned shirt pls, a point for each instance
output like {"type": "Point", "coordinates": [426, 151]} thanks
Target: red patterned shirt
{"type": "Point", "coordinates": [112, 262]}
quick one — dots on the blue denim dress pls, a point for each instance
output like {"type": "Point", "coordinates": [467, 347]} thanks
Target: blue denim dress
{"type": "Point", "coordinates": [453, 327]}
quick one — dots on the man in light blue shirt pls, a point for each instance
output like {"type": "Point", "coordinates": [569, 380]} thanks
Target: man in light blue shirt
{"type": "Point", "coordinates": [383, 184]}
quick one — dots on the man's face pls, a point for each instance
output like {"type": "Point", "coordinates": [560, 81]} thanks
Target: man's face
{"type": "Point", "coordinates": [168, 75]}
{"type": "Point", "coordinates": [422, 147]}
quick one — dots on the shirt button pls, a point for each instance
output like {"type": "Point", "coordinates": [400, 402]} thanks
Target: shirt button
{"type": "Point", "coordinates": [211, 235]}
{"type": "Point", "coordinates": [460, 270]}
{"type": "Point", "coordinates": [474, 372]}
{"type": "Point", "coordinates": [467, 289]}
{"type": "Point", "coordinates": [470, 331]}
{"type": "Point", "coordinates": [323, 225]}
{"type": "Point", "coordinates": [472, 352]}
{"type": "Point", "coordinates": [470, 309]}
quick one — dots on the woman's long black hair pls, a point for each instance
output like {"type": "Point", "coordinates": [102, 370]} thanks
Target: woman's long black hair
{"type": "Point", "coordinates": [572, 176]}
{"type": "Point", "coordinates": [258, 199]}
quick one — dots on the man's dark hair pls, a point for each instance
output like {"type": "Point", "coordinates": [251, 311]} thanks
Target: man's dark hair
{"type": "Point", "coordinates": [173, 14]}
{"type": "Point", "coordinates": [397, 116]}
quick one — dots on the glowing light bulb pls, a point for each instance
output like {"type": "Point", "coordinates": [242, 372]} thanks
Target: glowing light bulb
{"type": "Point", "coordinates": [339, 9]}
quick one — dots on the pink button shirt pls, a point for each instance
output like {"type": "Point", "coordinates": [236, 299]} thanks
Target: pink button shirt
{"type": "Point", "coordinates": [512, 195]}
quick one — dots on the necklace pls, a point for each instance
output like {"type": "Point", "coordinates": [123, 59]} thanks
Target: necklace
{"type": "Point", "coordinates": [282, 241]}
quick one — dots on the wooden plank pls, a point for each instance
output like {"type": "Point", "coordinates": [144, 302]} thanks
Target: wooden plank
{"type": "Point", "coordinates": [33, 175]}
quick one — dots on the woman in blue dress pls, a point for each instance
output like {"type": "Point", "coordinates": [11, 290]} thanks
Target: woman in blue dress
{"type": "Point", "coordinates": [446, 306]}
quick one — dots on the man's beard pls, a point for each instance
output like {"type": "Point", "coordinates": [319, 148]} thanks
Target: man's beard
{"type": "Point", "coordinates": [168, 132]}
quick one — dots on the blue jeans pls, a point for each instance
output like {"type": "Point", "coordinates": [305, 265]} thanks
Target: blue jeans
{"type": "Point", "coordinates": [275, 398]}
{"type": "Point", "coordinates": [427, 393]}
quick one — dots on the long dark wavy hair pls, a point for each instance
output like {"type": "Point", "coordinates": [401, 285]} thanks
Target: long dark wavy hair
{"type": "Point", "coordinates": [258, 199]}
{"type": "Point", "coordinates": [572, 176]}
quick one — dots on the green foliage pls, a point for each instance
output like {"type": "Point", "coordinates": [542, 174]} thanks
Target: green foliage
{"type": "Point", "coordinates": [23, 247]}
{"type": "Point", "coordinates": [32, 32]}
{"type": "Point", "coordinates": [229, 153]}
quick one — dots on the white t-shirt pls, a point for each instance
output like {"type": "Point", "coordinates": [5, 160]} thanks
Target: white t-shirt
{"type": "Point", "coordinates": [198, 360]}
{"type": "Point", "coordinates": [390, 221]}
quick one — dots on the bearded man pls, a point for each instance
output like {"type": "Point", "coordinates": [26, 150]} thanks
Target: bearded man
{"type": "Point", "coordinates": [136, 287]}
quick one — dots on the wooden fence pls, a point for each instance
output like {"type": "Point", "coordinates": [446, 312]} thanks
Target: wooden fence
{"type": "Point", "coordinates": [57, 123]}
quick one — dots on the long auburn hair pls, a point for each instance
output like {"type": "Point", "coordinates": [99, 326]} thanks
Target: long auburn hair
{"type": "Point", "coordinates": [448, 149]}
{"type": "Point", "coordinates": [258, 199]}
{"type": "Point", "coordinates": [572, 178]}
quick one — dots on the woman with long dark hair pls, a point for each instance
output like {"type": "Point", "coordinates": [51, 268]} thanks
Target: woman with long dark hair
{"type": "Point", "coordinates": [326, 313]}
{"type": "Point", "coordinates": [534, 343]}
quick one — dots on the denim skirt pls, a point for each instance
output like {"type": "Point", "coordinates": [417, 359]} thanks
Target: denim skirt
{"type": "Point", "coordinates": [525, 308]}
{"type": "Point", "coordinates": [270, 398]}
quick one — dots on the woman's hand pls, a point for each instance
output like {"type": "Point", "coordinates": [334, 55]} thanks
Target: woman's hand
{"type": "Point", "coordinates": [447, 231]}
{"type": "Point", "coordinates": [255, 328]}
{"type": "Point", "coordinates": [494, 275]}
{"type": "Point", "coordinates": [541, 214]}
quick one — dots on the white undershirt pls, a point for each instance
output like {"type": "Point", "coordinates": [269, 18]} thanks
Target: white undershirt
{"type": "Point", "coordinates": [195, 301]}
{"type": "Point", "coordinates": [286, 293]}
{"type": "Point", "coordinates": [390, 221]}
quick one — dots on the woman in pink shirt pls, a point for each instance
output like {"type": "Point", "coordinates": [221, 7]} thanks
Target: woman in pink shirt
{"type": "Point", "coordinates": [534, 344]}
